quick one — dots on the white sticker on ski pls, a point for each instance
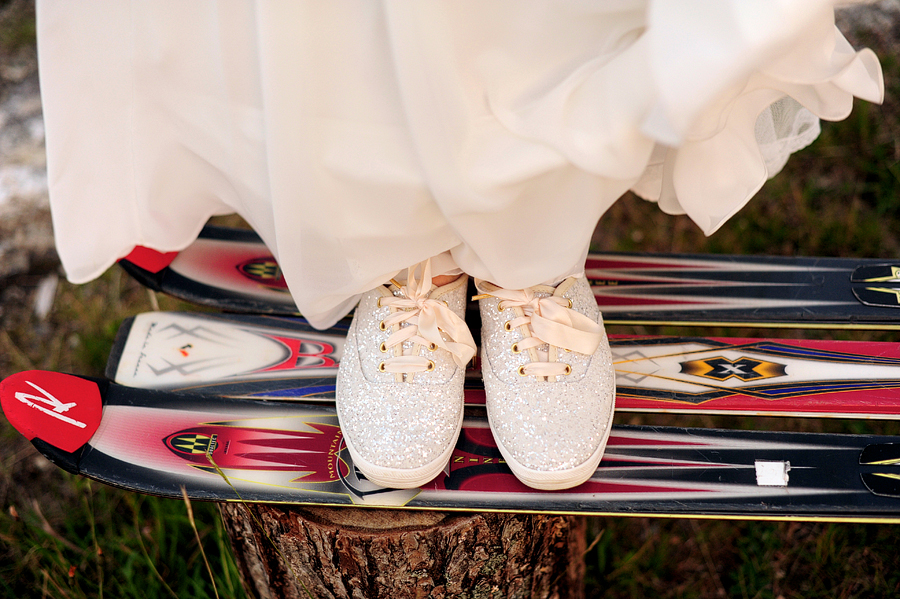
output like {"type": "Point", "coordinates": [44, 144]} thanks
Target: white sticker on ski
{"type": "Point", "coordinates": [772, 473]}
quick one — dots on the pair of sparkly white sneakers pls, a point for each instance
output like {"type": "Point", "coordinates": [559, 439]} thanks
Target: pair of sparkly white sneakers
{"type": "Point", "coordinates": [547, 368]}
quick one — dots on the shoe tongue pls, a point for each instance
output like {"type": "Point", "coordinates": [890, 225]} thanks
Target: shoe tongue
{"type": "Point", "coordinates": [543, 290]}
{"type": "Point", "coordinates": [395, 290]}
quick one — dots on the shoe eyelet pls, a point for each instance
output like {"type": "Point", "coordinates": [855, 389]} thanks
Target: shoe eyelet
{"type": "Point", "coordinates": [383, 347]}
{"type": "Point", "coordinates": [432, 346]}
{"type": "Point", "coordinates": [430, 366]}
{"type": "Point", "coordinates": [382, 326]}
{"type": "Point", "coordinates": [570, 303]}
{"type": "Point", "coordinates": [378, 303]}
{"type": "Point", "coordinates": [568, 370]}
{"type": "Point", "coordinates": [521, 371]}
{"type": "Point", "coordinates": [500, 308]}
{"type": "Point", "coordinates": [381, 367]}
{"type": "Point", "coordinates": [515, 348]}
{"type": "Point", "coordinates": [508, 326]}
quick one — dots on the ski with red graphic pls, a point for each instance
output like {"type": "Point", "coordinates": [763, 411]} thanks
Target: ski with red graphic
{"type": "Point", "coordinates": [227, 449]}
{"type": "Point", "coordinates": [281, 358]}
{"type": "Point", "coordinates": [231, 269]}
{"type": "Point", "coordinates": [225, 268]}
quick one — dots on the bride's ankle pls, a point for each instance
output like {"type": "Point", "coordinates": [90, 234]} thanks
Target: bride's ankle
{"type": "Point", "coordinates": [441, 280]}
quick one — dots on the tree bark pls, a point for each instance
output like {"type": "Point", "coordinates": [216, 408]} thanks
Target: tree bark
{"type": "Point", "coordinates": [296, 551]}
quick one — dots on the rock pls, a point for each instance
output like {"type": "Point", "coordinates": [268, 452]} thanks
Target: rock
{"type": "Point", "coordinates": [26, 234]}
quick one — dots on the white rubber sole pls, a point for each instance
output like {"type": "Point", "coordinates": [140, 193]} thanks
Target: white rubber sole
{"type": "Point", "coordinates": [554, 480]}
{"type": "Point", "coordinates": [404, 478]}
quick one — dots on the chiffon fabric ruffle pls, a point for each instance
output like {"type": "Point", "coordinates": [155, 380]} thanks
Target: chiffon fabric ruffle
{"type": "Point", "coordinates": [359, 137]}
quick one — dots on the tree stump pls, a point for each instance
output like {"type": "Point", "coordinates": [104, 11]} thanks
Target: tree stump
{"type": "Point", "coordinates": [360, 553]}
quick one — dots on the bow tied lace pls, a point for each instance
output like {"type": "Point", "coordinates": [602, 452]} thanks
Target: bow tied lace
{"type": "Point", "coordinates": [423, 321]}
{"type": "Point", "coordinates": [548, 323]}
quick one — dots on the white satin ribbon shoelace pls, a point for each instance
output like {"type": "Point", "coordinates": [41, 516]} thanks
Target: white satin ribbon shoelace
{"type": "Point", "coordinates": [426, 318]}
{"type": "Point", "coordinates": [545, 321]}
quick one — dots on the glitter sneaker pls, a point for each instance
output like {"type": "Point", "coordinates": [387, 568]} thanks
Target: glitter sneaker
{"type": "Point", "coordinates": [549, 380]}
{"type": "Point", "coordinates": [400, 382]}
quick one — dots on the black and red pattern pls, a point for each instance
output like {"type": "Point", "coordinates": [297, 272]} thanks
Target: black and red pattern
{"type": "Point", "coordinates": [232, 269]}
{"type": "Point", "coordinates": [233, 449]}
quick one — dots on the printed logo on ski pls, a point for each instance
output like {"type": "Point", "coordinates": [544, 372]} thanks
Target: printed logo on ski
{"type": "Point", "coordinates": [265, 271]}
{"type": "Point", "coordinates": [744, 369]}
{"type": "Point", "coordinates": [60, 409]}
{"type": "Point", "coordinates": [303, 354]}
{"type": "Point", "coordinates": [309, 454]}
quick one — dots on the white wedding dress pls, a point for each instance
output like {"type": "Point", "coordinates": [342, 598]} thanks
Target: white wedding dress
{"type": "Point", "coordinates": [359, 137]}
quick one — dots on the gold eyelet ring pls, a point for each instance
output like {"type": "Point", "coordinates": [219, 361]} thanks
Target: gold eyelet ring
{"type": "Point", "coordinates": [430, 366]}
{"type": "Point", "coordinates": [432, 346]}
{"type": "Point", "coordinates": [570, 303]}
{"type": "Point", "coordinates": [515, 348]}
{"type": "Point", "coordinates": [383, 348]}
{"type": "Point", "coordinates": [382, 326]}
{"type": "Point", "coordinates": [378, 303]}
{"type": "Point", "coordinates": [499, 309]}
{"type": "Point", "coordinates": [568, 370]}
{"type": "Point", "coordinates": [381, 367]}
{"type": "Point", "coordinates": [521, 371]}
{"type": "Point", "coordinates": [508, 326]}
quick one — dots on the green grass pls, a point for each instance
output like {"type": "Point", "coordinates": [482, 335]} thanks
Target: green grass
{"type": "Point", "coordinates": [690, 558]}
{"type": "Point", "coordinates": [61, 536]}
{"type": "Point", "coordinates": [113, 544]}
{"type": "Point", "coordinates": [17, 26]}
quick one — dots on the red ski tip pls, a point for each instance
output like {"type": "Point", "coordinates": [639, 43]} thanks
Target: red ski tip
{"type": "Point", "coordinates": [150, 260]}
{"type": "Point", "coordinates": [60, 409]}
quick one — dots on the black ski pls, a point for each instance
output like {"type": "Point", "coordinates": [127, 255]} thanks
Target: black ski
{"type": "Point", "coordinates": [224, 449]}
{"type": "Point", "coordinates": [231, 269]}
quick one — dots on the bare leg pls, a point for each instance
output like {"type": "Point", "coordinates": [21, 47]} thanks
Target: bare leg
{"type": "Point", "coordinates": [442, 280]}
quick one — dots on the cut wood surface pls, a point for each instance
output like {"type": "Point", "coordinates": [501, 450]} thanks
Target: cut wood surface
{"type": "Point", "coordinates": [295, 551]}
